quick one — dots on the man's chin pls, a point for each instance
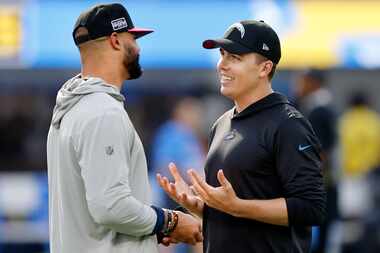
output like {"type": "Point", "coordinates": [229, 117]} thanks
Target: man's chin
{"type": "Point", "coordinates": [226, 92]}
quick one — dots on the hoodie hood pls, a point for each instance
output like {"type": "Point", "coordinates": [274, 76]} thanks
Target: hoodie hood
{"type": "Point", "coordinates": [76, 88]}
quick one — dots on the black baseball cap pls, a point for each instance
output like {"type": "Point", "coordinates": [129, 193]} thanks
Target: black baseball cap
{"type": "Point", "coordinates": [249, 36]}
{"type": "Point", "coordinates": [104, 19]}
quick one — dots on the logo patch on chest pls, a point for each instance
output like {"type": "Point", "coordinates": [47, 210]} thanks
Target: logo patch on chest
{"type": "Point", "coordinates": [231, 135]}
{"type": "Point", "coordinates": [109, 150]}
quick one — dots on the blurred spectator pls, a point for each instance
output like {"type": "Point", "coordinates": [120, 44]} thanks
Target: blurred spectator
{"type": "Point", "coordinates": [371, 221]}
{"type": "Point", "coordinates": [359, 129]}
{"type": "Point", "coordinates": [360, 137]}
{"type": "Point", "coordinates": [16, 124]}
{"type": "Point", "coordinates": [315, 102]}
{"type": "Point", "coordinates": [177, 140]}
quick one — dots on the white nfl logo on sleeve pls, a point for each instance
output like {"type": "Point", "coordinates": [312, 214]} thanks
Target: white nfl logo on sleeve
{"type": "Point", "coordinates": [119, 23]}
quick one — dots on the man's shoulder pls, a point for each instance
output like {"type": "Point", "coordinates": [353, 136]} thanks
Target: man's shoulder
{"type": "Point", "coordinates": [100, 102]}
{"type": "Point", "coordinates": [96, 106]}
{"type": "Point", "coordinates": [289, 111]}
{"type": "Point", "coordinates": [224, 117]}
{"type": "Point", "coordinates": [276, 116]}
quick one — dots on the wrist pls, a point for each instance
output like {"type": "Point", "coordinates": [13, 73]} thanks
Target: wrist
{"type": "Point", "coordinates": [236, 207]}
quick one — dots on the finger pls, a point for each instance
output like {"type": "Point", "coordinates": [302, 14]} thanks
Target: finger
{"type": "Point", "coordinates": [199, 180]}
{"type": "Point", "coordinates": [173, 190]}
{"type": "Point", "coordinates": [222, 179]}
{"type": "Point", "coordinates": [194, 191]}
{"type": "Point", "coordinates": [183, 197]}
{"type": "Point", "coordinates": [186, 201]}
{"type": "Point", "coordinates": [174, 171]}
{"type": "Point", "coordinates": [199, 237]}
{"type": "Point", "coordinates": [160, 180]}
{"type": "Point", "coordinates": [199, 191]}
{"type": "Point", "coordinates": [165, 241]}
{"type": "Point", "coordinates": [163, 182]}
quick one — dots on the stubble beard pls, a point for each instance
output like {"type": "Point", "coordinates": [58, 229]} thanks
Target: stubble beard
{"type": "Point", "coordinates": [131, 64]}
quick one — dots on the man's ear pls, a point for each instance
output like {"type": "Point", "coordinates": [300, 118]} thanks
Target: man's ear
{"type": "Point", "coordinates": [114, 40]}
{"type": "Point", "coordinates": [266, 68]}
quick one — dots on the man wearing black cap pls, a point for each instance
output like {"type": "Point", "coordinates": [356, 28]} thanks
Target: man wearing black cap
{"type": "Point", "coordinates": [99, 195]}
{"type": "Point", "coordinates": [263, 187]}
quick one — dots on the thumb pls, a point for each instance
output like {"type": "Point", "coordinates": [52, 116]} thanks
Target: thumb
{"type": "Point", "coordinates": [222, 179]}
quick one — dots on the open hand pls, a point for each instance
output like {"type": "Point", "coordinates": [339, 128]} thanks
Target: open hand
{"type": "Point", "coordinates": [222, 198]}
{"type": "Point", "coordinates": [180, 191]}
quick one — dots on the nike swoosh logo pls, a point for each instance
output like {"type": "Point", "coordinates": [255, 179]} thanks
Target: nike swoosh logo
{"type": "Point", "coordinates": [302, 148]}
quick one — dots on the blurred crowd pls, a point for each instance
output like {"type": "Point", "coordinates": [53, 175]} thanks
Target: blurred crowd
{"type": "Point", "coordinates": [174, 128]}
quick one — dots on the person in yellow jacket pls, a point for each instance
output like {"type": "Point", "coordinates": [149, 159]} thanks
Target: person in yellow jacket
{"type": "Point", "coordinates": [360, 137]}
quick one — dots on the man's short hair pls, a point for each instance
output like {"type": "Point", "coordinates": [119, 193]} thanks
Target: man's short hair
{"type": "Point", "coordinates": [261, 59]}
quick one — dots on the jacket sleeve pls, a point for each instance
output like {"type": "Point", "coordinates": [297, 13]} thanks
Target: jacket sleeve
{"type": "Point", "coordinates": [103, 151]}
{"type": "Point", "coordinates": [299, 167]}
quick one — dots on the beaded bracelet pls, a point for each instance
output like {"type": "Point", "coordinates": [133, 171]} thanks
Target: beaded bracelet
{"type": "Point", "coordinates": [171, 224]}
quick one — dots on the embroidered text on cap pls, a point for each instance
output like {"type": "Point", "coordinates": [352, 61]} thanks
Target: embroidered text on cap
{"type": "Point", "coordinates": [119, 23]}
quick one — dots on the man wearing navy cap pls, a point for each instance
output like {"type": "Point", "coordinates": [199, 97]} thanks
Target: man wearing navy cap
{"type": "Point", "coordinates": [99, 195]}
{"type": "Point", "coordinates": [263, 189]}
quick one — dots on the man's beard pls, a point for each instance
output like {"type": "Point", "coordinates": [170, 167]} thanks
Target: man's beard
{"type": "Point", "coordinates": [133, 67]}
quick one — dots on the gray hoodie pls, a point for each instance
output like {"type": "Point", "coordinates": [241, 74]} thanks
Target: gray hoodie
{"type": "Point", "coordinates": [99, 194]}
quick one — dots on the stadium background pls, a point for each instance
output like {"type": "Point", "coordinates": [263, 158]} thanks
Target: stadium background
{"type": "Point", "coordinates": [37, 55]}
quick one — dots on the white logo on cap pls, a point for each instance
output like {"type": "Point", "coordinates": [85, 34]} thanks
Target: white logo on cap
{"type": "Point", "coordinates": [265, 47]}
{"type": "Point", "coordinates": [119, 23]}
{"type": "Point", "coordinates": [240, 27]}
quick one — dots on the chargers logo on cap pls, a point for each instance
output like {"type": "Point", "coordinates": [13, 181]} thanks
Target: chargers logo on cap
{"type": "Point", "coordinates": [240, 28]}
{"type": "Point", "coordinates": [119, 23]}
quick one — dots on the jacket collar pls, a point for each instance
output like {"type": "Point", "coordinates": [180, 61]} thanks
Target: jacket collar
{"type": "Point", "coordinates": [262, 104]}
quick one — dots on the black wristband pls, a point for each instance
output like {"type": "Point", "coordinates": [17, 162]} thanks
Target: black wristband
{"type": "Point", "coordinates": [160, 220]}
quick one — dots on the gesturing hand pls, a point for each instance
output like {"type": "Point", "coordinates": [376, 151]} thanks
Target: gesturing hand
{"type": "Point", "coordinates": [180, 191]}
{"type": "Point", "coordinates": [188, 230]}
{"type": "Point", "coordinates": [222, 198]}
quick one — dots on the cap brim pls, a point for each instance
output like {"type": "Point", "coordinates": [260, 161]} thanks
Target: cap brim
{"type": "Point", "coordinates": [140, 32]}
{"type": "Point", "coordinates": [228, 45]}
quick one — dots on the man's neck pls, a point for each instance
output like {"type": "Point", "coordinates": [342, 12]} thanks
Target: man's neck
{"type": "Point", "coordinates": [252, 97]}
{"type": "Point", "coordinates": [109, 76]}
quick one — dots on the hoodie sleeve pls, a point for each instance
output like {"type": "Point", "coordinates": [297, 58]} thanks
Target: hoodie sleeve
{"type": "Point", "coordinates": [103, 150]}
{"type": "Point", "coordinates": [299, 167]}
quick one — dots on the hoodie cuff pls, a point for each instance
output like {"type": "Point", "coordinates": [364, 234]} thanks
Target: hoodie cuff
{"type": "Point", "coordinates": [160, 220]}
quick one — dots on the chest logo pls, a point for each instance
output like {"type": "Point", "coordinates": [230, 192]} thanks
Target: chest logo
{"type": "Point", "coordinates": [109, 150]}
{"type": "Point", "coordinates": [231, 135]}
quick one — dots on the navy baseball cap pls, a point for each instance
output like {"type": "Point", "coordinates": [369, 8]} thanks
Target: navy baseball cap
{"type": "Point", "coordinates": [249, 36]}
{"type": "Point", "coordinates": [104, 19]}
